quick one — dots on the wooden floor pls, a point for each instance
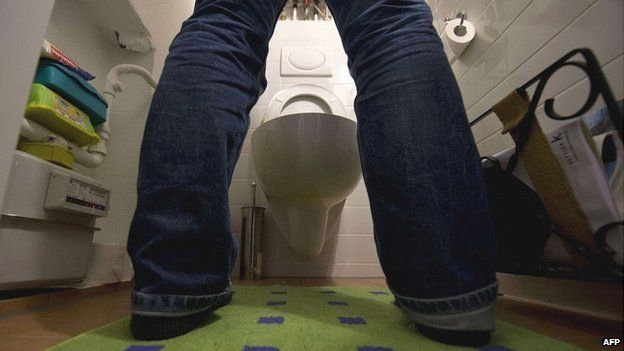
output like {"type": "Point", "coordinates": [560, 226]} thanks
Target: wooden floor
{"type": "Point", "coordinates": [67, 314]}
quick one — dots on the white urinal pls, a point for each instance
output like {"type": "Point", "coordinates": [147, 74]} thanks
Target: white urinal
{"type": "Point", "coordinates": [306, 160]}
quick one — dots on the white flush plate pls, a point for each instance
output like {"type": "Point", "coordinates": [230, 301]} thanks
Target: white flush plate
{"type": "Point", "coordinates": [306, 61]}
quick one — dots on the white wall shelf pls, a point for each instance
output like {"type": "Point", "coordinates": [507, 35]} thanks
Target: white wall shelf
{"type": "Point", "coordinates": [122, 17]}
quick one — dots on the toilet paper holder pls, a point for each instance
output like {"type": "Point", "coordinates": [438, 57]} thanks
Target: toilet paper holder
{"type": "Point", "coordinates": [453, 16]}
{"type": "Point", "coordinates": [461, 29]}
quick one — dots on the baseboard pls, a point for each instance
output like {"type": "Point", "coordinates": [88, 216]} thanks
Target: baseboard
{"type": "Point", "coordinates": [33, 302]}
{"type": "Point", "coordinates": [600, 300]}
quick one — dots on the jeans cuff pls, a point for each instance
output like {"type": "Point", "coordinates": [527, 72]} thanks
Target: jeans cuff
{"type": "Point", "coordinates": [470, 311]}
{"type": "Point", "coordinates": [157, 305]}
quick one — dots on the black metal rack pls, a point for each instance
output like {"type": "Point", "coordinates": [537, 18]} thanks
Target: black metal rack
{"type": "Point", "coordinates": [598, 87]}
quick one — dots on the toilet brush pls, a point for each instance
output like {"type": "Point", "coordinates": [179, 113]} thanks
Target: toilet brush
{"type": "Point", "coordinates": [251, 239]}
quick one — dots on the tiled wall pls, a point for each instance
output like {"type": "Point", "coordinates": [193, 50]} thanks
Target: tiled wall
{"type": "Point", "coordinates": [351, 251]}
{"type": "Point", "coordinates": [516, 39]}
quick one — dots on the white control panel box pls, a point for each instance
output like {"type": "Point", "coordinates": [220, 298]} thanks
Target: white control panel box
{"type": "Point", "coordinates": [70, 194]}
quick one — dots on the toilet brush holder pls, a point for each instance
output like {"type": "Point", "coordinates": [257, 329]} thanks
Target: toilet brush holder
{"type": "Point", "coordinates": [251, 243]}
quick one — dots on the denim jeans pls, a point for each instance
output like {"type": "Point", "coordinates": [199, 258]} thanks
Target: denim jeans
{"type": "Point", "coordinates": [432, 227]}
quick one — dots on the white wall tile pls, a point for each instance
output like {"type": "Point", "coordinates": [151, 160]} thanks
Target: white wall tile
{"type": "Point", "coordinates": [438, 25]}
{"type": "Point", "coordinates": [489, 71]}
{"type": "Point", "coordinates": [272, 72]}
{"type": "Point", "coordinates": [267, 95]}
{"type": "Point", "coordinates": [495, 144]}
{"type": "Point", "coordinates": [341, 75]}
{"type": "Point", "coordinates": [364, 270]}
{"type": "Point", "coordinates": [246, 148]}
{"type": "Point", "coordinates": [261, 199]}
{"type": "Point", "coordinates": [359, 197]}
{"type": "Point", "coordinates": [340, 56]}
{"type": "Point", "coordinates": [490, 124]}
{"type": "Point", "coordinates": [256, 115]}
{"type": "Point", "coordinates": [508, 10]}
{"type": "Point", "coordinates": [240, 193]}
{"type": "Point", "coordinates": [343, 249]}
{"type": "Point", "coordinates": [486, 128]}
{"type": "Point", "coordinates": [492, 97]}
{"type": "Point", "coordinates": [274, 50]}
{"type": "Point", "coordinates": [539, 23]}
{"type": "Point", "coordinates": [355, 249]}
{"type": "Point", "coordinates": [356, 220]}
{"type": "Point", "coordinates": [346, 93]}
{"type": "Point", "coordinates": [474, 8]}
{"type": "Point", "coordinates": [241, 169]}
{"type": "Point", "coordinates": [300, 270]}
{"type": "Point", "coordinates": [602, 20]}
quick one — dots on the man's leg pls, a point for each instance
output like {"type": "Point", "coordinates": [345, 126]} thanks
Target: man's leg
{"type": "Point", "coordinates": [180, 240]}
{"type": "Point", "coordinates": [421, 167]}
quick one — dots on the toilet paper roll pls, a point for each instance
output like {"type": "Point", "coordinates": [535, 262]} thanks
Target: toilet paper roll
{"type": "Point", "coordinates": [459, 35]}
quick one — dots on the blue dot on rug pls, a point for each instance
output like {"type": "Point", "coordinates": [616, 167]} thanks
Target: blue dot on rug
{"type": "Point", "coordinates": [145, 348]}
{"type": "Point", "coordinates": [260, 348]}
{"type": "Point", "coordinates": [352, 320]}
{"type": "Point", "coordinates": [271, 320]}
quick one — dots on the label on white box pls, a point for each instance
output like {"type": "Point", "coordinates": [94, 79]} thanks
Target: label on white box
{"type": "Point", "coordinates": [69, 194]}
{"type": "Point", "coordinates": [87, 195]}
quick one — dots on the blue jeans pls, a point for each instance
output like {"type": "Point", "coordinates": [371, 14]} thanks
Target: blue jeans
{"type": "Point", "coordinates": [432, 227]}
